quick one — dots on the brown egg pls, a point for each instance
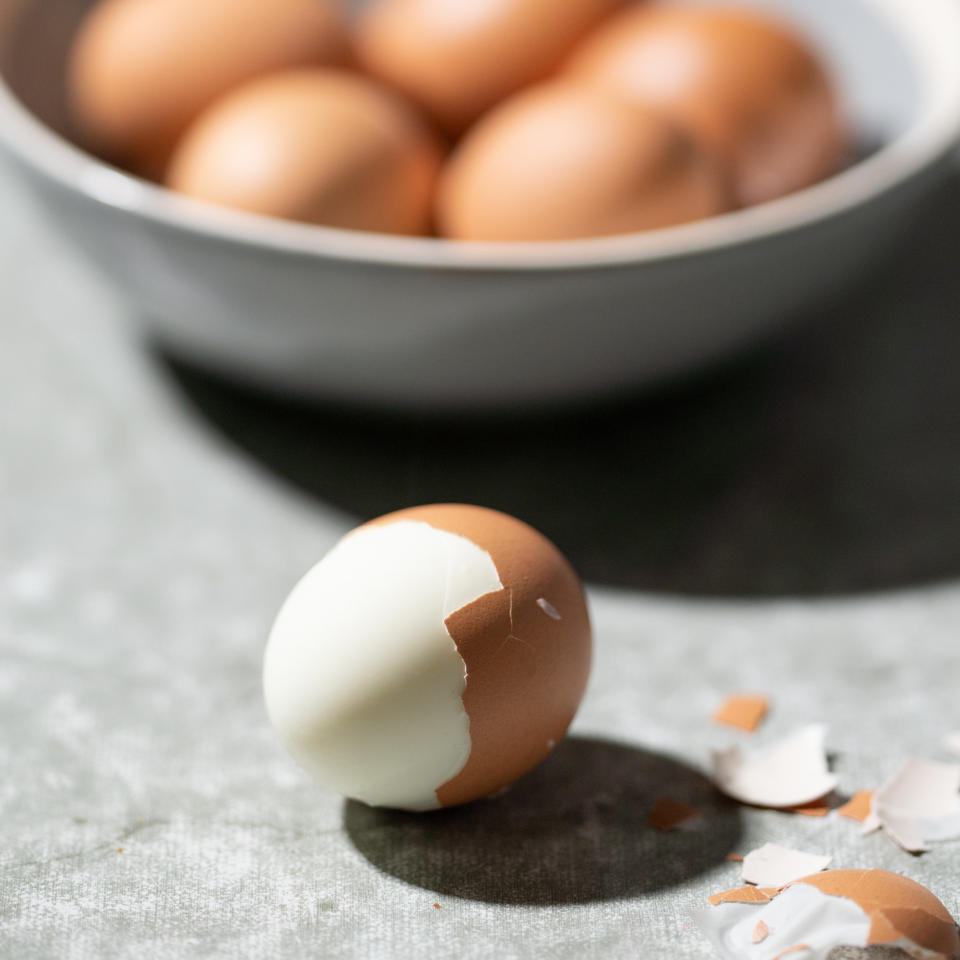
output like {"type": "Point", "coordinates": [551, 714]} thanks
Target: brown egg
{"type": "Point", "coordinates": [562, 162]}
{"type": "Point", "coordinates": [321, 146]}
{"type": "Point", "coordinates": [743, 84]}
{"type": "Point", "coordinates": [458, 58]}
{"type": "Point", "coordinates": [432, 657]}
{"type": "Point", "coordinates": [142, 70]}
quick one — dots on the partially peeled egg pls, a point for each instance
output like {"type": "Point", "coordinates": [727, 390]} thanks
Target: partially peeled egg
{"type": "Point", "coordinates": [433, 657]}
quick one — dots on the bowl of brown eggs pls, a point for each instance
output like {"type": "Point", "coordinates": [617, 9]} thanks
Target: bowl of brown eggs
{"type": "Point", "coordinates": [479, 204]}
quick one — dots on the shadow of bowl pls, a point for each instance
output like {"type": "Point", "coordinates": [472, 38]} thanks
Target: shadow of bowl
{"type": "Point", "coordinates": [824, 465]}
{"type": "Point", "coordinates": [572, 831]}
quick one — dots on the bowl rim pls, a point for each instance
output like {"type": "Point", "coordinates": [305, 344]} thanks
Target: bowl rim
{"type": "Point", "coordinates": [929, 32]}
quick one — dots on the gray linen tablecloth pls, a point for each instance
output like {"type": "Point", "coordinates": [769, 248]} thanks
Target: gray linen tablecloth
{"type": "Point", "coordinates": [790, 525]}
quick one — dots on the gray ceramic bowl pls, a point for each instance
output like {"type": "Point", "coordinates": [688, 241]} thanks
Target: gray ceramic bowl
{"type": "Point", "coordinates": [426, 323]}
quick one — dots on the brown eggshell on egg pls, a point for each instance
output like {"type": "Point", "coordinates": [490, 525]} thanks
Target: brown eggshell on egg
{"type": "Point", "coordinates": [899, 908]}
{"type": "Point", "coordinates": [527, 648]}
{"type": "Point", "coordinates": [142, 70]}
{"type": "Point", "coordinates": [562, 162]}
{"type": "Point", "coordinates": [319, 146]}
{"type": "Point", "coordinates": [458, 58]}
{"type": "Point", "coordinates": [745, 85]}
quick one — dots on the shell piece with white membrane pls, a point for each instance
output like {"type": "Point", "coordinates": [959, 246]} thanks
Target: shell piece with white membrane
{"type": "Point", "coordinates": [788, 773]}
{"type": "Point", "coordinates": [813, 915]}
{"type": "Point", "coordinates": [918, 805]}
{"type": "Point", "coordinates": [775, 866]}
{"type": "Point", "coordinates": [378, 715]}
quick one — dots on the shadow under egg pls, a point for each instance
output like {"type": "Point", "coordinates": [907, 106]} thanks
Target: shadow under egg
{"type": "Point", "coordinates": [572, 831]}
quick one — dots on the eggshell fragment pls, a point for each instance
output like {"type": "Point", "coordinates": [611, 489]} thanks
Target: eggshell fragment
{"type": "Point", "coordinates": [668, 814]}
{"type": "Point", "coordinates": [858, 806]}
{"type": "Point", "coordinates": [743, 710]}
{"type": "Point", "coordinates": [459, 58]}
{"type": "Point", "coordinates": [561, 162]}
{"type": "Point", "coordinates": [413, 666]}
{"type": "Point", "coordinates": [320, 146]}
{"type": "Point", "coordinates": [788, 773]}
{"type": "Point", "coordinates": [774, 866]}
{"type": "Point", "coordinates": [743, 84]}
{"type": "Point", "coordinates": [142, 70]}
{"type": "Point", "coordinates": [744, 895]}
{"type": "Point", "coordinates": [837, 908]}
{"type": "Point", "coordinates": [918, 805]}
